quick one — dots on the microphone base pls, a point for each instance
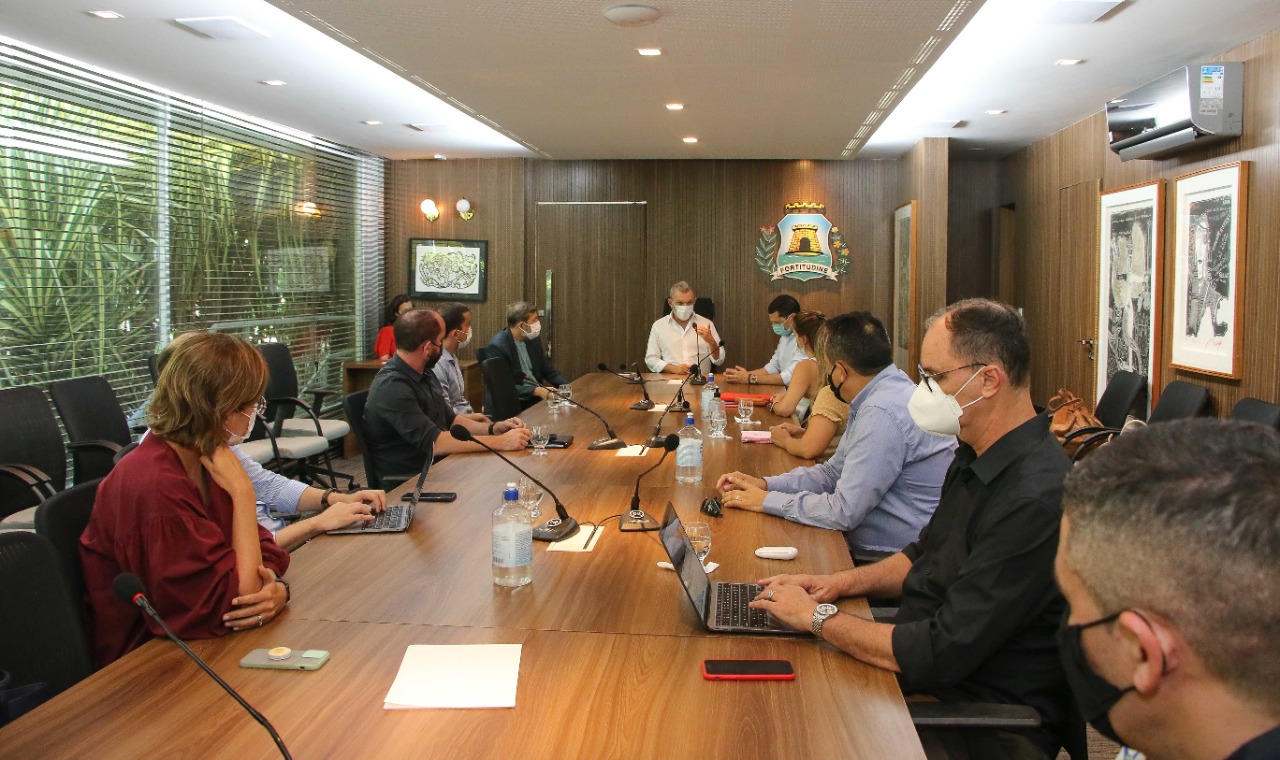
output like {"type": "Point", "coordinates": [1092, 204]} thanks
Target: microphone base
{"type": "Point", "coordinates": [656, 441]}
{"type": "Point", "coordinates": [698, 380]}
{"type": "Point", "coordinates": [607, 443]}
{"type": "Point", "coordinates": [643, 406]}
{"type": "Point", "coordinates": [555, 529]}
{"type": "Point", "coordinates": [636, 380]}
{"type": "Point", "coordinates": [637, 521]}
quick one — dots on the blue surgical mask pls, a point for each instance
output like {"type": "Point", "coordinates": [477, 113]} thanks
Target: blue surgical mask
{"type": "Point", "coordinates": [780, 329]}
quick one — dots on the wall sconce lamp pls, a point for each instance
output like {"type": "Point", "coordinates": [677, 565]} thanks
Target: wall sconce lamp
{"type": "Point", "coordinates": [465, 210]}
{"type": "Point", "coordinates": [429, 210]}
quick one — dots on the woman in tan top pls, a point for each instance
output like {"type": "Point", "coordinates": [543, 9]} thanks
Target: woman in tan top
{"type": "Point", "coordinates": [827, 416]}
{"type": "Point", "coordinates": [805, 378]}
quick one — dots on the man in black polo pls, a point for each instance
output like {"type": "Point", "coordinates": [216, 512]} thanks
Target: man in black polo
{"type": "Point", "coordinates": [407, 413]}
{"type": "Point", "coordinates": [979, 609]}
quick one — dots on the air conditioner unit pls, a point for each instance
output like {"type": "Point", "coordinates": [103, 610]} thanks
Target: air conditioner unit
{"type": "Point", "coordinates": [1194, 106]}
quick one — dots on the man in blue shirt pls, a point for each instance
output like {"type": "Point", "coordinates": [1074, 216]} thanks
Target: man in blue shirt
{"type": "Point", "coordinates": [520, 346]}
{"type": "Point", "coordinates": [457, 336]}
{"type": "Point", "coordinates": [778, 369]}
{"type": "Point", "coordinates": [883, 483]}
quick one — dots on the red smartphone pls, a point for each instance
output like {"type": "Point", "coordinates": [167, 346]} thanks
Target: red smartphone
{"type": "Point", "coordinates": [748, 670]}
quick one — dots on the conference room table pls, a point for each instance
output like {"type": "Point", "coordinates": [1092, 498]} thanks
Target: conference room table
{"type": "Point", "coordinates": [611, 654]}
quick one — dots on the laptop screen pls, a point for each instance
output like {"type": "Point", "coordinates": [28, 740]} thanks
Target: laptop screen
{"type": "Point", "coordinates": [685, 561]}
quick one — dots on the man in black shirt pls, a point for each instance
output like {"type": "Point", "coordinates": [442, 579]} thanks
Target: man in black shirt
{"type": "Point", "coordinates": [979, 608]}
{"type": "Point", "coordinates": [1168, 558]}
{"type": "Point", "coordinates": [407, 412]}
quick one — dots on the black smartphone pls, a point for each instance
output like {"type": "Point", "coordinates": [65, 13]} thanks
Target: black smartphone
{"type": "Point", "coordinates": [432, 496]}
{"type": "Point", "coordinates": [748, 670]}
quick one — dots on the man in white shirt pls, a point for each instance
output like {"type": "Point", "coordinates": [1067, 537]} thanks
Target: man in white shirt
{"type": "Point", "coordinates": [457, 335]}
{"type": "Point", "coordinates": [785, 356]}
{"type": "Point", "coordinates": [682, 339]}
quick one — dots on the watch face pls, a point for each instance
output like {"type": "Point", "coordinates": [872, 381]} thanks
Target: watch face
{"type": "Point", "coordinates": [827, 610]}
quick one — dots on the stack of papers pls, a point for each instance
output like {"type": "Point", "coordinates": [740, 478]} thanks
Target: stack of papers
{"type": "Point", "coordinates": [456, 676]}
{"type": "Point", "coordinates": [757, 436]}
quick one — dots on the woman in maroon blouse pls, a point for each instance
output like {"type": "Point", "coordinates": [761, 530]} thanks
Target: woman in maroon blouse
{"type": "Point", "coordinates": [179, 511]}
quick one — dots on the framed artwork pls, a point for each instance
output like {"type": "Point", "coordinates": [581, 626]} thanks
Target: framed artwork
{"type": "Point", "coordinates": [299, 270]}
{"type": "Point", "coordinates": [1208, 270]}
{"type": "Point", "coordinates": [904, 275]}
{"type": "Point", "coordinates": [1130, 280]}
{"type": "Point", "coordinates": [448, 270]}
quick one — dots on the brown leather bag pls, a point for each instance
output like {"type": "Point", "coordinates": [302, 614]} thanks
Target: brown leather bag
{"type": "Point", "coordinates": [1069, 413]}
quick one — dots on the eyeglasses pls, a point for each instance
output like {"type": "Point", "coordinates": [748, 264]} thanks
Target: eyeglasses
{"type": "Point", "coordinates": [930, 379]}
{"type": "Point", "coordinates": [260, 407]}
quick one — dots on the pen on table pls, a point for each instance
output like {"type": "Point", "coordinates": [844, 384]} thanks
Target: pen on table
{"type": "Point", "coordinates": [644, 450]}
{"type": "Point", "coordinates": [587, 545]}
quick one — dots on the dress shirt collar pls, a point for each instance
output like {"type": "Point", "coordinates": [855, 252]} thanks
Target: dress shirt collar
{"type": "Point", "coordinates": [672, 319]}
{"type": "Point", "coordinates": [401, 366]}
{"type": "Point", "coordinates": [865, 393]}
{"type": "Point", "coordinates": [1010, 448]}
{"type": "Point", "coordinates": [447, 357]}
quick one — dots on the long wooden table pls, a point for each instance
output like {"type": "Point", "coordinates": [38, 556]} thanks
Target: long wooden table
{"type": "Point", "coordinates": [611, 648]}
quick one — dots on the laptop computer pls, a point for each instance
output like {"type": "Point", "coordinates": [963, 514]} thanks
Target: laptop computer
{"type": "Point", "coordinates": [396, 517]}
{"type": "Point", "coordinates": [722, 607]}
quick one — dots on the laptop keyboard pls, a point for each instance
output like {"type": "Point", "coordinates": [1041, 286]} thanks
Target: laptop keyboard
{"type": "Point", "coordinates": [732, 609]}
{"type": "Point", "coordinates": [393, 518]}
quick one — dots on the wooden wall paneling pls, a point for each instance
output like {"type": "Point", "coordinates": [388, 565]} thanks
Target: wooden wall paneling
{"type": "Point", "coordinates": [496, 189]}
{"type": "Point", "coordinates": [973, 194]}
{"type": "Point", "coordinates": [1038, 243]}
{"type": "Point", "coordinates": [595, 252]}
{"type": "Point", "coordinates": [1076, 318]}
{"type": "Point", "coordinates": [925, 174]}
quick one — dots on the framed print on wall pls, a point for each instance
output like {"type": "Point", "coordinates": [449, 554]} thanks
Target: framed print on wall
{"type": "Point", "coordinates": [904, 275]}
{"type": "Point", "coordinates": [1130, 280]}
{"type": "Point", "coordinates": [448, 270]}
{"type": "Point", "coordinates": [1208, 271]}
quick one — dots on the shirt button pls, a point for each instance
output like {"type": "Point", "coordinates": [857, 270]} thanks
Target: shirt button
{"type": "Point", "coordinates": [928, 572]}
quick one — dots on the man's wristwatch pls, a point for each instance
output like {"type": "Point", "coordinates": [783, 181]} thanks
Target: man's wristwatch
{"type": "Point", "coordinates": [820, 616]}
{"type": "Point", "coordinates": [324, 500]}
{"type": "Point", "coordinates": [751, 379]}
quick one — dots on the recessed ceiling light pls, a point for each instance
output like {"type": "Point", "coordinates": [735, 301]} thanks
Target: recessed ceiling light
{"type": "Point", "coordinates": [372, 122]}
{"type": "Point", "coordinates": [691, 139]}
{"type": "Point", "coordinates": [1068, 62]}
{"type": "Point", "coordinates": [105, 14]}
{"type": "Point", "coordinates": [632, 14]}
{"type": "Point", "coordinates": [274, 82]}
{"type": "Point", "coordinates": [675, 106]}
{"type": "Point", "coordinates": [649, 51]}
{"type": "Point", "coordinates": [1116, 101]}
{"type": "Point", "coordinates": [995, 111]}
{"type": "Point", "coordinates": [440, 157]}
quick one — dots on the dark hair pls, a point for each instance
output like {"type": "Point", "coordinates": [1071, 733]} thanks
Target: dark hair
{"type": "Point", "coordinates": [389, 316]}
{"type": "Point", "coordinates": [453, 313]}
{"type": "Point", "coordinates": [415, 327]}
{"type": "Point", "coordinates": [859, 340]}
{"type": "Point", "coordinates": [807, 324]}
{"type": "Point", "coordinates": [784, 306]}
{"type": "Point", "coordinates": [988, 332]}
{"type": "Point", "coordinates": [1182, 519]}
{"type": "Point", "coordinates": [519, 312]}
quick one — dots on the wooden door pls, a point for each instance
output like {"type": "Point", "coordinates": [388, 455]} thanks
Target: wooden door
{"type": "Point", "coordinates": [1075, 273]}
{"type": "Point", "coordinates": [595, 253]}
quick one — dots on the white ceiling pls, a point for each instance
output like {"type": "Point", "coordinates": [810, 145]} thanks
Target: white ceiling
{"type": "Point", "coordinates": [760, 78]}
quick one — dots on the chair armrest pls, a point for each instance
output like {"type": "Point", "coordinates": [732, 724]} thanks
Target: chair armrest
{"type": "Point", "coordinates": [1091, 441]}
{"type": "Point", "coordinates": [319, 394]}
{"type": "Point", "coordinates": [30, 476]}
{"type": "Point", "coordinates": [111, 447]}
{"type": "Point", "coordinates": [972, 715]}
{"type": "Point", "coordinates": [1086, 431]}
{"type": "Point", "coordinates": [278, 424]}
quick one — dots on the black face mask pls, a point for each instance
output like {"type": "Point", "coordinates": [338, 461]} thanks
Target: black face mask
{"type": "Point", "coordinates": [835, 389]}
{"type": "Point", "coordinates": [1095, 695]}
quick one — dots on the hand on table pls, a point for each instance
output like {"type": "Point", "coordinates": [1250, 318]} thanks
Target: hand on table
{"type": "Point", "coordinates": [750, 499]}
{"type": "Point", "coordinates": [375, 500]}
{"type": "Point", "coordinates": [514, 439]}
{"type": "Point", "coordinates": [820, 588]}
{"type": "Point", "coordinates": [678, 369]}
{"type": "Point", "coordinates": [736, 374]}
{"type": "Point", "coordinates": [514, 423]}
{"type": "Point", "coordinates": [344, 513]}
{"type": "Point", "coordinates": [738, 481]}
{"type": "Point", "coordinates": [256, 609]}
{"type": "Point", "coordinates": [790, 605]}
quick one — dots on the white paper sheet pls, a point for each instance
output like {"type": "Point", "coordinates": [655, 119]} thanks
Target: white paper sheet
{"type": "Point", "coordinates": [578, 541]}
{"type": "Point", "coordinates": [456, 676]}
{"type": "Point", "coordinates": [636, 450]}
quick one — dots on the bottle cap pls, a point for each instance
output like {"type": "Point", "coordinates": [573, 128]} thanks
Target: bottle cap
{"type": "Point", "coordinates": [688, 420]}
{"type": "Point", "coordinates": [511, 493]}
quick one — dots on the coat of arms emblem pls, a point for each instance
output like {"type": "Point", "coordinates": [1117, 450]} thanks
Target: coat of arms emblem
{"type": "Point", "coordinates": [804, 245]}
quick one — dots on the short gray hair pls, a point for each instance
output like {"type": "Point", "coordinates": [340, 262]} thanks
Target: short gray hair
{"type": "Point", "coordinates": [519, 312]}
{"type": "Point", "coordinates": [988, 332]}
{"type": "Point", "coordinates": [679, 287]}
{"type": "Point", "coordinates": [1182, 520]}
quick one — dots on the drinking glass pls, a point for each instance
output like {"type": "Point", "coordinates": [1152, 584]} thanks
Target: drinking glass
{"type": "Point", "coordinates": [531, 496]}
{"type": "Point", "coordinates": [553, 403]}
{"type": "Point", "coordinates": [700, 537]}
{"type": "Point", "coordinates": [717, 420]}
{"type": "Point", "coordinates": [540, 436]}
{"type": "Point", "coordinates": [745, 407]}
{"type": "Point", "coordinates": [566, 393]}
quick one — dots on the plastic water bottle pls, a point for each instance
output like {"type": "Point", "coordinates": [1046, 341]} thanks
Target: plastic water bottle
{"type": "Point", "coordinates": [512, 541]}
{"type": "Point", "coordinates": [709, 392]}
{"type": "Point", "coordinates": [689, 453]}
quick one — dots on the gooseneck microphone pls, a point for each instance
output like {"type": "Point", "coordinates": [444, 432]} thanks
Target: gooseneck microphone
{"type": "Point", "coordinates": [637, 519]}
{"type": "Point", "coordinates": [128, 589]}
{"type": "Point", "coordinates": [655, 439]}
{"type": "Point", "coordinates": [634, 368]}
{"type": "Point", "coordinates": [611, 439]}
{"type": "Point", "coordinates": [557, 528]}
{"type": "Point", "coordinates": [695, 372]}
{"type": "Point", "coordinates": [644, 405]}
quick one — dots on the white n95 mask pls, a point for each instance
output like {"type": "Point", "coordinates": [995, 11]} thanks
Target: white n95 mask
{"type": "Point", "coordinates": [682, 312]}
{"type": "Point", "coordinates": [937, 412]}
{"type": "Point", "coordinates": [534, 330]}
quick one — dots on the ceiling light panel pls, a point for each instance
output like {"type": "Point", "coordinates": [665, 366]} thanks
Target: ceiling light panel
{"type": "Point", "coordinates": [223, 28]}
{"type": "Point", "coordinates": [106, 14]}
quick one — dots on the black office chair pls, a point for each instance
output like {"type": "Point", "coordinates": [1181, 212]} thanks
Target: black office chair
{"type": "Point", "coordinates": [1180, 400]}
{"type": "Point", "coordinates": [354, 405]}
{"type": "Point", "coordinates": [41, 639]}
{"type": "Point", "coordinates": [1256, 410]}
{"type": "Point", "coordinates": [96, 425]}
{"type": "Point", "coordinates": [1125, 394]}
{"type": "Point", "coordinates": [482, 353]}
{"type": "Point", "coordinates": [62, 519]}
{"type": "Point", "coordinates": [501, 400]}
{"type": "Point", "coordinates": [153, 367]}
{"type": "Point", "coordinates": [33, 462]}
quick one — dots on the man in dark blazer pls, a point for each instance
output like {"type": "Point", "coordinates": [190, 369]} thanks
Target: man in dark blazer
{"type": "Point", "coordinates": [520, 346]}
